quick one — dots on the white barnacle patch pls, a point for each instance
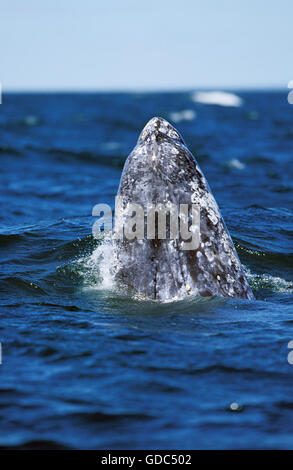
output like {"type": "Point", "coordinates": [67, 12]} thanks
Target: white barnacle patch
{"type": "Point", "coordinates": [143, 135]}
{"type": "Point", "coordinates": [230, 278]}
{"type": "Point", "coordinates": [153, 156]}
{"type": "Point", "coordinates": [210, 255]}
{"type": "Point", "coordinates": [194, 198]}
{"type": "Point", "coordinates": [226, 246]}
{"type": "Point", "coordinates": [236, 266]}
{"type": "Point", "coordinates": [212, 216]}
{"type": "Point", "coordinates": [223, 258]}
{"type": "Point", "coordinates": [202, 263]}
{"type": "Point", "coordinates": [194, 185]}
{"type": "Point", "coordinates": [231, 291]}
{"type": "Point", "coordinates": [173, 133]}
{"type": "Point", "coordinates": [210, 200]}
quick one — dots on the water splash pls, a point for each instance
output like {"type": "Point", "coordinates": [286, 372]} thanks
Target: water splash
{"type": "Point", "coordinates": [96, 269]}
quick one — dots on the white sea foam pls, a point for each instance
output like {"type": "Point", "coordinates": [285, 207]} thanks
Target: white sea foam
{"type": "Point", "coordinates": [221, 98]}
{"type": "Point", "coordinates": [266, 281]}
{"type": "Point", "coordinates": [235, 163]}
{"type": "Point", "coordinates": [184, 115]}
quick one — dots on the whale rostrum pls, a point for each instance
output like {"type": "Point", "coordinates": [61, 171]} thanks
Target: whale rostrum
{"type": "Point", "coordinates": [170, 200]}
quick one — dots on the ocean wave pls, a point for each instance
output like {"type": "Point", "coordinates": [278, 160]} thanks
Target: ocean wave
{"type": "Point", "coordinates": [7, 239]}
{"type": "Point", "coordinates": [267, 281]}
{"type": "Point", "coordinates": [13, 283]}
{"type": "Point", "coordinates": [107, 154]}
{"type": "Point", "coordinates": [6, 149]}
{"type": "Point", "coordinates": [41, 444]}
{"type": "Point", "coordinates": [210, 368]}
{"type": "Point", "coordinates": [220, 98]}
{"type": "Point", "coordinates": [105, 159]}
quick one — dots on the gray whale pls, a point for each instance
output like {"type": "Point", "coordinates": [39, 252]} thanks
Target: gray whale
{"type": "Point", "coordinates": [160, 169]}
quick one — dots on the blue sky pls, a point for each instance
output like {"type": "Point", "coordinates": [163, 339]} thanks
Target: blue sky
{"type": "Point", "coordinates": [145, 45]}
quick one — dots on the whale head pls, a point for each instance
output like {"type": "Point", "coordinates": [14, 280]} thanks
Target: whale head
{"type": "Point", "coordinates": [157, 129]}
{"type": "Point", "coordinates": [161, 171]}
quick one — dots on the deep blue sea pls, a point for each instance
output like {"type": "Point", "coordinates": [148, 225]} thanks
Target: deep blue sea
{"type": "Point", "coordinates": [86, 368]}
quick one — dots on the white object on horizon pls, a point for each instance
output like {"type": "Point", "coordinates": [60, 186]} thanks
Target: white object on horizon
{"type": "Point", "coordinates": [221, 98]}
{"type": "Point", "coordinates": [290, 84]}
{"type": "Point", "coordinates": [185, 115]}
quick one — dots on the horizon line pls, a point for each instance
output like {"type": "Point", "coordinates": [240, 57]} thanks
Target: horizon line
{"type": "Point", "coordinates": [143, 89]}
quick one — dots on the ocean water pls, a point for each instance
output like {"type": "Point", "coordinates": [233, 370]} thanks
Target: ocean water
{"type": "Point", "coordinates": [86, 367]}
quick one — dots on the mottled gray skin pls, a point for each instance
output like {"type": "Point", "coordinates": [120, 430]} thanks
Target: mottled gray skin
{"type": "Point", "coordinates": [160, 169]}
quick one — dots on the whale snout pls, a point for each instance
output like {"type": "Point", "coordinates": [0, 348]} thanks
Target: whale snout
{"type": "Point", "coordinates": [158, 128]}
{"type": "Point", "coordinates": [162, 174]}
